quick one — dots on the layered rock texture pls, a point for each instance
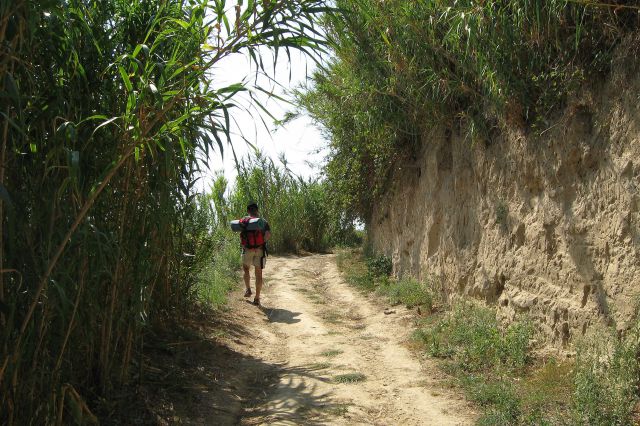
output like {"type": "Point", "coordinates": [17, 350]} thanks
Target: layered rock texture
{"type": "Point", "coordinates": [548, 226]}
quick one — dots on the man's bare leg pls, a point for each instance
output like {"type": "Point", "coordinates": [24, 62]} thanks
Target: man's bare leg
{"type": "Point", "coordinates": [258, 282]}
{"type": "Point", "coordinates": [247, 280]}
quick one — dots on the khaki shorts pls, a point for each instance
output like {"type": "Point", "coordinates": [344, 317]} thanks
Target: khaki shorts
{"type": "Point", "coordinates": [254, 257]}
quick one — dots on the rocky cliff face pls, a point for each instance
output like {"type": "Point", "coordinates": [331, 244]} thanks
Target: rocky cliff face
{"type": "Point", "coordinates": [547, 226]}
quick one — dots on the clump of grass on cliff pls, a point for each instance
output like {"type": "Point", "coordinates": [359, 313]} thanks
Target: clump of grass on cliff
{"type": "Point", "coordinates": [471, 337]}
{"type": "Point", "coordinates": [606, 379]}
{"type": "Point", "coordinates": [408, 292]}
{"type": "Point", "coordinates": [494, 366]}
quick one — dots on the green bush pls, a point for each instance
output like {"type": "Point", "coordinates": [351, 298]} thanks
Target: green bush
{"type": "Point", "coordinates": [380, 265]}
{"type": "Point", "coordinates": [515, 347]}
{"type": "Point", "coordinates": [362, 280]}
{"type": "Point", "coordinates": [355, 270]}
{"type": "Point", "coordinates": [471, 336]}
{"type": "Point", "coordinates": [499, 396]}
{"type": "Point", "coordinates": [606, 379]}
{"type": "Point", "coordinates": [220, 275]}
{"type": "Point", "coordinates": [407, 291]}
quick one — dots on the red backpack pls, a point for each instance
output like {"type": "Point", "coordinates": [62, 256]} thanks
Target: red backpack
{"type": "Point", "coordinates": [250, 239]}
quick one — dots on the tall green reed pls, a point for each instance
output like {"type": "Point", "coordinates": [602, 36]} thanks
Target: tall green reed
{"type": "Point", "coordinates": [298, 210]}
{"type": "Point", "coordinates": [105, 110]}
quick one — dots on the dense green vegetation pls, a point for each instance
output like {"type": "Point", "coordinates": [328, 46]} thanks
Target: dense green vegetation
{"type": "Point", "coordinates": [220, 274]}
{"type": "Point", "coordinates": [106, 108]}
{"type": "Point", "coordinates": [401, 68]}
{"type": "Point", "coordinates": [606, 378]}
{"type": "Point", "coordinates": [499, 368]}
{"type": "Point", "coordinates": [298, 210]}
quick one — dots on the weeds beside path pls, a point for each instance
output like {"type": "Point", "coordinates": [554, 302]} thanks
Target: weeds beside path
{"type": "Point", "coordinates": [503, 369]}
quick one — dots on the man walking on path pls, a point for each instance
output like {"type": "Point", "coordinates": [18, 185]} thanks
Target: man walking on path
{"type": "Point", "coordinates": [254, 248]}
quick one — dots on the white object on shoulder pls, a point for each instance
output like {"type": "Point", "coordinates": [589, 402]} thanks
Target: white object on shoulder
{"type": "Point", "coordinates": [253, 225]}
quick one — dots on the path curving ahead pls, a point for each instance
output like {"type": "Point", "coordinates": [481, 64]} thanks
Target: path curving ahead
{"type": "Point", "coordinates": [340, 359]}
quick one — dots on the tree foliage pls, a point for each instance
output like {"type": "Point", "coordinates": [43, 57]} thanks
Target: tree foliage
{"type": "Point", "coordinates": [401, 68]}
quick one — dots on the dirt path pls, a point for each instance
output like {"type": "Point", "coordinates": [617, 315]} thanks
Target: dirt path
{"type": "Point", "coordinates": [334, 357]}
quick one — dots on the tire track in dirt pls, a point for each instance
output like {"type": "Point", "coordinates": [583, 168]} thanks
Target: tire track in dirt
{"type": "Point", "coordinates": [343, 361]}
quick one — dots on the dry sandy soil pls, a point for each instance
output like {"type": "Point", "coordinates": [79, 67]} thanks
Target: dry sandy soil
{"type": "Point", "coordinates": [316, 352]}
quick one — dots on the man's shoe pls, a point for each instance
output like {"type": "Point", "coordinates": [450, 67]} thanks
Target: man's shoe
{"type": "Point", "coordinates": [247, 293]}
{"type": "Point", "coordinates": [256, 301]}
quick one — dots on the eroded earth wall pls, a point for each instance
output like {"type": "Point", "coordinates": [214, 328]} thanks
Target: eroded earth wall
{"type": "Point", "coordinates": [548, 226]}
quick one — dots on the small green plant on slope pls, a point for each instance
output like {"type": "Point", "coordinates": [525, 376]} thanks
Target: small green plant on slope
{"type": "Point", "coordinates": [372, 273]}
{"type": "Point", "coordinates": [349, 378]}
{"type": "Point", "coordinates": [482, 355]}
{"type": "Point", "coordinates": [502, 214]}
{"type": "Point", "coordinates": [379, 265]}
{"type": "Point", "coordinates": [606, 378]}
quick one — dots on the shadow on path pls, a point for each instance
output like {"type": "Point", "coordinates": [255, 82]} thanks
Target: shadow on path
{"type": "Point", "coordinates": [289, 400]}
{"type": "Point", "coordinates": [281, 315]}
{"type": "Point", "coordinates": [199, 373]}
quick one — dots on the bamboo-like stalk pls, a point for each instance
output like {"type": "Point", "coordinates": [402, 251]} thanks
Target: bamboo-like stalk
{"type": "Point", "coordinates": [65, 160]}
{"type": "Point", "coordinates": [79, 218]}
{"type": "Point", "coordinates": [3, 152]}
{"type": "Point", "coordinates": [81, 281]}
{"type": "Point", "coordinates": [52, 263]}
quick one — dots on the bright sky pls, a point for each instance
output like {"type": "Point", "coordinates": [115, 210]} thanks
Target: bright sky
{"type": "Point", "coordinates": [299, 140]}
